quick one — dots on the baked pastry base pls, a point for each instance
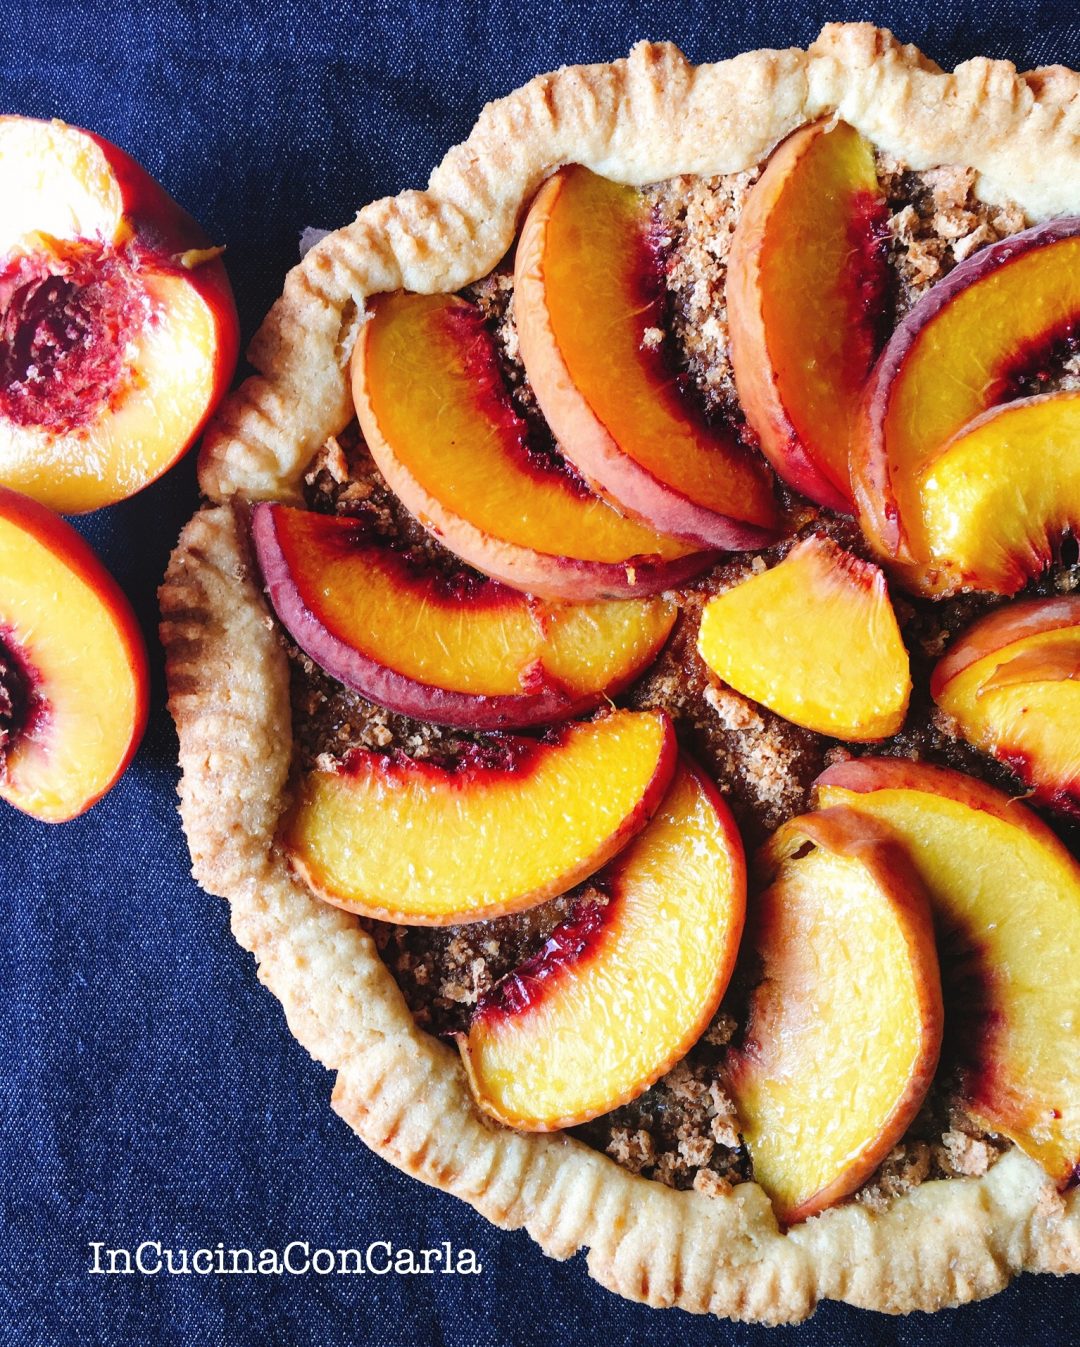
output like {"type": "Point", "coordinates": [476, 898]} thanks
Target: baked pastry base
{"type": "Point", "coordinates": [402, 1091]}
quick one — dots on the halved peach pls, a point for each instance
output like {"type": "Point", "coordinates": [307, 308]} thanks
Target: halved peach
{"type": "Point", "coordinates": [586, 287]}
{"type": "Point", "coordinates": [512, 824]}
{"type": "Point", "coordinates": [998, 497]}
{"type": "Point", "coordinates": [438, 420]}
{"type": "Point", "coordinates": [1011, 682]}
{"type": "Point", "coordinates": [844, 1027]}
{"type": "Point", "coordinates": [622, 990]}
{"type": "Point", "coordinates": [119, 329]}
{"type": "Point", "coordinates": [806, 288]}
{"type": "Point", "coordinates": [73, 677]}
{"type": "Point", "coordinates": [814, 639]}
{"type": "Point", "coordinates": [454, 648]}
{"type": "Point", "coordinates": [1006, 895]}
{"type": "Point", "coordinates": [998, 315]}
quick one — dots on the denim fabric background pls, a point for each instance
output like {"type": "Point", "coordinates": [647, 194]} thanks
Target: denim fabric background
{"type": "Point", "coordinates": [149, 1087]}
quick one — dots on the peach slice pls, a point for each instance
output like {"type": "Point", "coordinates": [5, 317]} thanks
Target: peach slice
{"type": "Point", "coordinates": [960, 351]}
{"type": "Point", "coordinates": [586, 289]}
{"type": "Point", "coordinates": [815, 639]}
{"type": "Point", "coordinates": [622, 990]}
{"type": "Point", "coordinates": [514, 823]}
{"type": "Point", "coordinates": [73, 676]}
{"type": "Point", "coordinates": [1006, 895]}
{"type": "Point", "coordinates": [807, 282]}
{"type": "Point", "coordinates": [998, 497]}
{"type": "Point", "coordinates": [1011, 682]}
{"type": "Point", "coordinates": [457, 649]}
{"type": "Point", "coordinates": [845, 1025]}
{"type": "Point", "coordinates": [118, 332]}
{"type": "Point", "coordinates": [437, 418]}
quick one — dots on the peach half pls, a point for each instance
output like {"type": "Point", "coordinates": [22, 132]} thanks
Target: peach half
{"type": "Point", "coordinates": [1006, 899]}
{"type": "Point", "coordinates": [73, 678]}
{"type": "Point", "coordinates": [624, 988]}
{"type": "Point", "coordinates": [814, 639]}
{"type": "Point", "coordinates": [454, 648]}
{"type": "Point", "coordinates": [431, 401]}
{"type": "Point", "coordinates": [511, 824]}
{"type": "Point", "coordinates": [587, 289]}
{"type": "Point", "coordinates": [997, 499]}
{"type": "Point", "coordinates": [1011, 682]}
{"type": "Point", "coordinates": [961, 350]}
{"type": "Point", "coordinates": [844, 1027]}
{"type": "Point", "coordinates": [807, 283]}
{"type": "Point", "coordinates": [118, 332]}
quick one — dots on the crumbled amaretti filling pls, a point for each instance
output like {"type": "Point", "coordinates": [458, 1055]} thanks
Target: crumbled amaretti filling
{"type": "Point", "coordinates": [684, 1130]}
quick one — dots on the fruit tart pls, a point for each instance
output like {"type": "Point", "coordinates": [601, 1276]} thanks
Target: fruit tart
{"type": "Point", "coordinates": [624, 670]}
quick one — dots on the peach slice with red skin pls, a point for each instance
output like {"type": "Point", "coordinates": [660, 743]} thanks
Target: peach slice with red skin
{"type": "Point", "coordinates": [814, 639]}
{"type": "Point", "coordinates": [73, 677]}
{"type": "Point", "coordinates": [1006, 898]}
{"type": "Point", "coordinates": [587, 288]}
{"type": "Point", "coordinates": [844, 1027]}
{"type": "Point", "coordinates": [456, 649]}
{"type": "Point", "coordinates": [806, 289]}
{"type": "Point", "coordinates": [510, 825]}
{"type": "Point", "coordinates": [118, 332]}
{"type": "Point", "coordinates": [623, 989]}
{"type": "Point", "coordinates": [959, 352]}
{"type": "Point", "coordinates": [997, 499]}
{"type": "Point", "coordinates": [1011, 682]}
{"type": "Point", "coordinates": [430, 399]}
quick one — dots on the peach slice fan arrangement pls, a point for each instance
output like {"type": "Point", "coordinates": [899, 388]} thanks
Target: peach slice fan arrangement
{"type": "Point", "coordinates": [542, 574]}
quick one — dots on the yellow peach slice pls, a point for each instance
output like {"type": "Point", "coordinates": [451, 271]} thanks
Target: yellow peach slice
{"type": "Point", "coordinates": [814, 639]}
{"type": "Point", "coordinates": [1006, 895]}
{"type": "Point", "coordinates": [845, 1024]}
{"type": "Point", "coordinates": [621, 991]}
{"type": "Point", "coordinates": [454, 648]}
{"type": "Point", "coordinates": [806, 287]}
{"type": "Point", "coordinates": [439, 423]}
{"type": "Point", "coordinates": [998, 497]}
{"type": "Point", "coordinates": [586, 292]}
{"type": "Point", "coordinates": [510, 826]}
{"type": "Point", "coordinates": [1011, 683]}
{"type": "Point", "coordinates": [73, 678]}
{"type": "Point", "coordinates": [952, 358]}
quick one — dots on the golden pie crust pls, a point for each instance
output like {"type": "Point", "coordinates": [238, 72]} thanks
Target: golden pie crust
{"type": "Point", "coordinates": [650, 117]}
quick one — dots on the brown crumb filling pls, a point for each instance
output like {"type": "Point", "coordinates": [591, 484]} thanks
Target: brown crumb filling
{"type": "Point", "coordinates": [684, 1131]}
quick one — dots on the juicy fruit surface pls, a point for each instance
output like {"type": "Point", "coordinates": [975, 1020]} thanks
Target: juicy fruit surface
{"type": "Point", "coordinates": [364, 611]}
{"type": "Point", "coordinates": [844, 1027]}
{"type": "Point", "coordinates": [1006, 895]}
{"type": "Point", "coordinates": [808, 243]}
{"type": "Point", "coordinates": [410, 842]}
{"type": "Point", "coordinates": [79, 663]}
{"type": "Point", "coordinates": [998, 497]}
{"type": "Point", "coordinates": [160, 396]}
{"type": "Point", "coordinates": [585, 295]}
{"type": "Point", "coordinates": [617, 1001]}
{"type": "Point", "coordinates": [953, 358]}
{"type": "Point", "coordinates": [118, 329]}
{"type": "Point", "coordinates": [1019, 700]}
{"type": "Point", "coordinates": [814, 639]}
{"type": "Point", "coordinates": [440, 426]}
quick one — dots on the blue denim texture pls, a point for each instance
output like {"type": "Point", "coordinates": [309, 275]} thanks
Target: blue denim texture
{"type": "Point", "coordinates": [149, 1087]}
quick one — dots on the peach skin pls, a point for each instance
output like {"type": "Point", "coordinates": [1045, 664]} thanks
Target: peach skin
{"type": "Point", "coordinates": [844, 1027]}
{"type": "Point", "coordinates": [73, 678]}
{"type": "Point", "coordinates": [513, 823]}
{"type": "Point", "coordinates": [1006, 899]}
{"type": "Point", "coordinates": [119, 324]}
{"type": "Point", "coordinates": [564, 1038]}
{"type": "Point", "coordinates": [587, 287]}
